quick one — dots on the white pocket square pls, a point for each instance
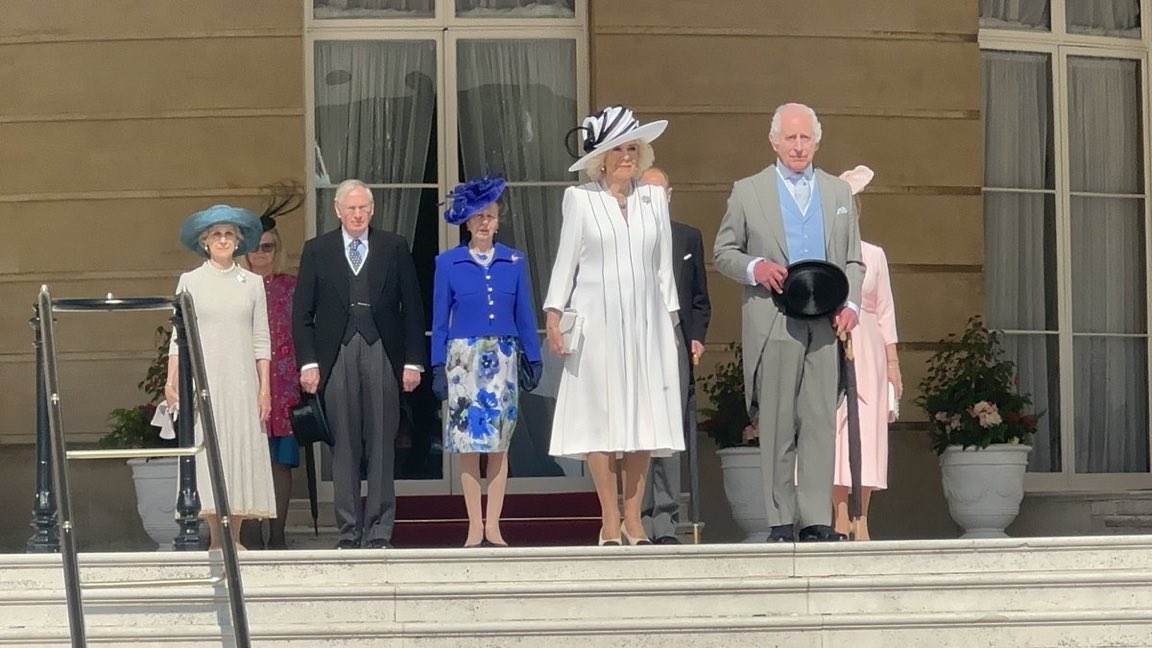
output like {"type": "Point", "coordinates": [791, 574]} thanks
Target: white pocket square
{"type": "Point", "coordinates": [687, 256]}
{"type": "Point", "coordinates": [841, 210]}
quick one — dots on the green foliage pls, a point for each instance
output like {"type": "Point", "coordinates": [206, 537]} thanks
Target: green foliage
{"type": "Point", "coordinates": [131, 427]}
{"type": "Point", "coordinates": [727, 414]}
{"type": "Point", "coordinates": [971, 394]}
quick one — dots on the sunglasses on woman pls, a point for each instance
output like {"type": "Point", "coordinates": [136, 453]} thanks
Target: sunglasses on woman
{"type": "Point", "coordinates": [267, 248]}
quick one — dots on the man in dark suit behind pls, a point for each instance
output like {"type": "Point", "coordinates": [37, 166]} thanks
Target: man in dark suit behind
{"type": "Point", "coordinates": [662, 496]}
{"type": "Point", "coordinates": [358, 325]}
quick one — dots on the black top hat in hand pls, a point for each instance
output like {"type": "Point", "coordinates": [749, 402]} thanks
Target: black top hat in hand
{"type": "Point", "coordinates": [812, 289]}
{"type": "Point", "coordinates": [308, 422]}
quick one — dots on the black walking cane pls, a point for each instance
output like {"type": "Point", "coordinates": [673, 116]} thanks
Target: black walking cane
{"type": "Point", "coordinates": [693, 461]}
{"type": "Point", "coordinates": [848, 371]}
{"type": "Point", "coordinates": [310, 471]}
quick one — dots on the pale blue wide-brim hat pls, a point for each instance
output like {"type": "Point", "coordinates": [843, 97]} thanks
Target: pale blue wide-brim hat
{"type": "Point", "coordinates": [245, 220]}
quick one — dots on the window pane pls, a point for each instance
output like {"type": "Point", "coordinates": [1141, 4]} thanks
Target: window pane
{"type": "Point", "coordinates": [1028, 15]}
{"type": "Point", "coordinates": [1018, 134]}
{"type": "Point", "coordinates": [1105, 138]}
{"type": "Point", "coordinates": [1111, 404]}
{"type": "Point", "coordinates": [322, 9]}
{"type": "Point", "coordinates": [375, 110]}
{"type": "Point", "coordinates": [1037, 367]}
{"type": "Point", "coordinates": [1104, 17]}
{"type": "Point", "coordinates": [1108, 265]}
{"type": "Point", "coordinates": [1020, 261]}
{"type": "Point", "coordinates": [517, 101]}
{"type": "Point", "coordinates": [516, 8]}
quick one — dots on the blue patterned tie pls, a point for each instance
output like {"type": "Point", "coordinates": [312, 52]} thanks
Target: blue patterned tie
{"type": "Point", "coordinates": [803, 192]}
{"type": "Point", "coordinates": [354, 255]}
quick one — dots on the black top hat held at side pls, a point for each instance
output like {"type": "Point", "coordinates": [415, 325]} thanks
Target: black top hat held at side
{"type": "Point", "coordinates": [812, 289]}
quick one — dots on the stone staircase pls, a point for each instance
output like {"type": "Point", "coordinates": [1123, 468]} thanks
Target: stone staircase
{"type": "Point", "coordinates": [1064, 592]}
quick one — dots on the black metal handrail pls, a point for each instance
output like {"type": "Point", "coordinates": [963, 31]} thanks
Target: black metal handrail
{"type": "Point", "coordinates": [53, 494]}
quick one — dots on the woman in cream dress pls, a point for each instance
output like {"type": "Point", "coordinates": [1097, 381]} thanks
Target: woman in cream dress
{"type": "Point", "coordinates": [620, 390]}
{"type": "Point", "coordinates": [232, 316]}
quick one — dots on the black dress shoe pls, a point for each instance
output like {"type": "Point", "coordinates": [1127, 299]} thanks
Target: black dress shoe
{"type": "Point", "coordinates": [378, 543]}
{"type": "Point", "coordinates": [666, 540]}
{"type": "Point", "coordinates": [782, 533]}
{"type": "Point", "coordinates": [820, 533]}
{"type": "Point", "coordinates": [348, 543]}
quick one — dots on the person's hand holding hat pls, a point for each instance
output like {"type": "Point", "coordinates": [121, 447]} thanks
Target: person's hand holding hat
{"type": "Point", "coordinates": [770, 275]}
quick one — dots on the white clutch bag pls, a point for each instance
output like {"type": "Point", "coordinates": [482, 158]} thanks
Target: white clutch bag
{"type": "Point", "coordinates": [893, 404]}
{"type": "Point", "coordinates": [571, 328]}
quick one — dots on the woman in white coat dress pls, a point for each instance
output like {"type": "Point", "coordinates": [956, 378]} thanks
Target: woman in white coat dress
{"type": "Point", "coordinates": [619, 394]}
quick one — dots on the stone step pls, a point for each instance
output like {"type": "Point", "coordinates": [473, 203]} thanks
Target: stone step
{"type": "Point", "coordinates": [1066, 629]}
{"type": "Point", "coordinates": [593, 600]}
{"type": "Point", "coordinates": [536, 564]}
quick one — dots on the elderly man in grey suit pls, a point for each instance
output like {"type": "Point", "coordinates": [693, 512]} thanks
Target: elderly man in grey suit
{"type": "Point", "coordinates": [787, 213]}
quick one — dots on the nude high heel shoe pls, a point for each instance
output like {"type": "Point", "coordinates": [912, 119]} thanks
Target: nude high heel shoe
{"type": "Point", "coordinates": [609, 542]}
{"type": "Point", "coordinates": [628, 539]}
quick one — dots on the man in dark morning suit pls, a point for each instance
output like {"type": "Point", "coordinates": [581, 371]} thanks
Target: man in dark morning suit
{"type": "Point", "coordinates": [661, 513]}
{"type": "Point", "coordinates": [358, 325]}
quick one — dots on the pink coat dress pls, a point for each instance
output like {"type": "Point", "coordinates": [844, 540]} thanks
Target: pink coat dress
{"type": "Point", "coordinates": [876, 329]}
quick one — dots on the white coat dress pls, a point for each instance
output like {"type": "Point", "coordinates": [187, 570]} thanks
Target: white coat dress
{"type": "Point", "coordinates": [620, 389]}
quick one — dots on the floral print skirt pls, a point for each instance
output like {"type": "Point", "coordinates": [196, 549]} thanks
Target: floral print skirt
{"type": "Point", "coordinates": [482, 393]}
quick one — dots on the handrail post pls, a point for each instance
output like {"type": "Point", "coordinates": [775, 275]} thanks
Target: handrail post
{"type": "Point", "coordinates": [59, 455]}
{"type": "Point", "coordinates": [45, 538]}
{"type": "Point", "coordinates": [188, 496]}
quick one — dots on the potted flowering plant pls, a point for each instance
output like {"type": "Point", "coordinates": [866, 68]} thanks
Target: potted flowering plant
{"type": "Point", "coordinates": [980, 428]}
{"type": "Point", "coordinates": [726, 421]}
{"type": "Point", "coordinates": [155, 478]}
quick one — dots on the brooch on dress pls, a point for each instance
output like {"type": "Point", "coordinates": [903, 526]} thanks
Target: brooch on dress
{"type": "Point", "coordinates": [515, 258]}
{"type": "Point", "coordinates": [647, 200]}
{"type": "Point", "coordinates": [241, 278]}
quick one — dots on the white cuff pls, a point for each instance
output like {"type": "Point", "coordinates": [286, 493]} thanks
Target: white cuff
{"type": "Point", "coordinates": [854, 307]}
{"type": "Point", "coordinates": [310, 365]}
{"type": "Point", "coordinates": [414, 367]}
{"type": "Point", "coordinates": [750, 273]}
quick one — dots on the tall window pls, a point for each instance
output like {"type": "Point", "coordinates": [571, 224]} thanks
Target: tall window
{"type": "Point", "coordinates": [1066, 227]}
{"type": "Point", "coordinates": [414, 96]}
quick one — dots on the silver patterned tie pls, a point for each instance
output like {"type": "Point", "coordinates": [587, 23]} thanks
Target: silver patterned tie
{"type": "Point", "coordinates": [803, 192]}
{"type": "Point", "coordinates": [354, 254]}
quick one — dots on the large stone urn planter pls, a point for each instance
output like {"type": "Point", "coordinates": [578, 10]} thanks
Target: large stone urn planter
{"type": "Point", "coordinates": [744, 487]}
{"type": "Point", "coordinates": [984, 487]}
{"type": "Point", "coordinates": [156, 486]}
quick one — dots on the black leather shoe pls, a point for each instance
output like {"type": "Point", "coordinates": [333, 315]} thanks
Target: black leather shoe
{"type": "Point", "coordinates": [666, 540]}
{"type": "Point", "coordinates": [378, 543]}
{"type": "Point", "coordinates": [782, 533]}
{"type": "Point", "coordinates": [820, 533]}
{"type": "Point", "coordinates": [348, 543]}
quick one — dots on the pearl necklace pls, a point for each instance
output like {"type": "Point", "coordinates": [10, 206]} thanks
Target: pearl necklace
{"type": "Point", "coordinates": [224, 271]}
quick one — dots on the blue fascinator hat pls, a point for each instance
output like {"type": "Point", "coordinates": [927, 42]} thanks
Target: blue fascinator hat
{"type": "Point", "coordinates": [246, 221]}
{"type": "Point", "coordinates": [470, 197]}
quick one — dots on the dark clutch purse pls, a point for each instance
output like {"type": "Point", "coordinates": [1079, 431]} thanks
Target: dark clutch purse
{"type": "Point", "coordinates": [527, 378]}
{"type": "Point", "coordinates": [308, 421]}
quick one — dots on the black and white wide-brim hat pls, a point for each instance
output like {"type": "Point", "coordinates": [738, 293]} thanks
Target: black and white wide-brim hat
{"type": "Point", "coordinates": [608, 129]}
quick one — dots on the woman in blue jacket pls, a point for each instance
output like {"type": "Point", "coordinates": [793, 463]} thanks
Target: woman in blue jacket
{"type": "Point", "coordinates": [483, 319]}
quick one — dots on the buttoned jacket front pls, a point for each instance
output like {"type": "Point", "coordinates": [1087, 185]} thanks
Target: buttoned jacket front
{"type": "Point", "coordinates": [469, 300]}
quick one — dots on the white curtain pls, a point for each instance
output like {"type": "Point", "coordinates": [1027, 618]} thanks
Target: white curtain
{"type": "Point", "coordinates": [517, 100]}
{"type": "Point", "coordinates": [1109, 294]}
{"type": "Point", "coordinates": [1104, 17]}
{"type": "Point", "coordinates": [1020, 231]}
{"type": "Point", "coordinates": [1028, 15]}
{"type": "Point", "coordinates": [515, 8]}
{"type": "Point", "coordinates": [374, 119]}
{"type": "Point", "coordinates": [373, 8]}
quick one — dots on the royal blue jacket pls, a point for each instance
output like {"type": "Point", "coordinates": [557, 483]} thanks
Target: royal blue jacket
{"type": "Point", "coordinates": [469, 301]}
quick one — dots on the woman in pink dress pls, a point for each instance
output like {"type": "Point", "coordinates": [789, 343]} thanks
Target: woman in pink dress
{"type": "Point", "coordinates": [878, 381]}
{"type": "Point", "coordinates": [267, 260]}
